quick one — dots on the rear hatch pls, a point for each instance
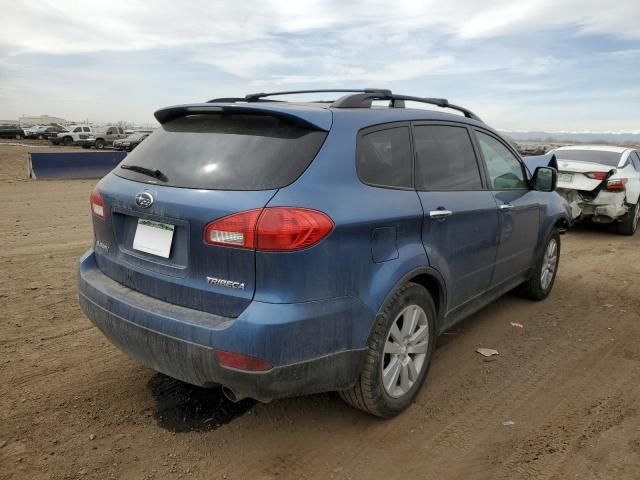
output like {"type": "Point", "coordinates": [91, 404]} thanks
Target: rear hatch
{"type": "Point", "coordinates": [584, 169]}
{"type": "Point", "coordinates": [209, 165]}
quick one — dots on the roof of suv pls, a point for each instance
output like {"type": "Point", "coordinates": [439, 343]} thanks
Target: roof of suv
{"type": "Point", "coordinates": [318, 115]}
{"type": "Point", "coordinates": [358, 104]}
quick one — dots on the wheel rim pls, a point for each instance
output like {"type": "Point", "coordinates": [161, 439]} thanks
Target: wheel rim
{"type": "Point", "coordinates": [549, 264]}
{"type": "Point", "coordinates": [405, 351]}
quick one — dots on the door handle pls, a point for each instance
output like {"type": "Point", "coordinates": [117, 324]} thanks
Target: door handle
{"type": "Point", "coordinates": [440, 214]}
{"type": "Point", "coordinates": [505, 206]}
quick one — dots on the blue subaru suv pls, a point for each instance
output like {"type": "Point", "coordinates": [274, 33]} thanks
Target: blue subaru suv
{"type": "Point", "coordinates": [277, 248]}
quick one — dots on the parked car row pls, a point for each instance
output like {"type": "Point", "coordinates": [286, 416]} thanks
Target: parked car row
{"type": "Point", "coordinates": [88, 137]}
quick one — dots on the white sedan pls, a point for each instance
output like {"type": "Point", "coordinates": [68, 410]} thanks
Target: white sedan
{"type": "Point", "coordinates": [601, 183]}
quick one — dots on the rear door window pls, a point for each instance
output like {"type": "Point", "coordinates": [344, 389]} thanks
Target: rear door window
{"type": "Point", "coordinates": [226, 151]}
{"type": "Point", "coordinates": [384, 158]}
{"type": "Point", "coordinates": [445, 159]}
{"type": "Point", "coordinates": [503, 167]}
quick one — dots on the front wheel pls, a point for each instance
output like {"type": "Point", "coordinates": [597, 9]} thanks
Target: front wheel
{"type": "Point", "coordinates": [541, 282]}
{"type": "Point", "coordinates": [629, 225]}
{"type": "Point", "coordinates": [18, 136]}
{"type": "Point", "coordinates": [99, 144]}
{"type": "Point", "coordinates": [398, 354]}
{"type": "Point", "coordinates": [67, 141]}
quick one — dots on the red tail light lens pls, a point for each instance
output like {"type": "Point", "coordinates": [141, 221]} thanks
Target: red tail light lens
{"type": "Point", "coordinates": [596, 175]}
{"type": "Point", "coordinates": [274, 229]}
{"type": "Point", "coordinates": [617, 185]}
{"type": "Point", "coordinates": [289, 228]}
{"type": "Point", "coordinates": [242, 362]}
{"type": "Point", "coordinates": [97, 204]}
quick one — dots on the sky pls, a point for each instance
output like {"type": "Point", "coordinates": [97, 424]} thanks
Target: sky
{"type": "Point", "coordinates": [561, 65]}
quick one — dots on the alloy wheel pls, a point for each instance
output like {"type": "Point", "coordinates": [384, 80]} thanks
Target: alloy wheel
{"type": "Point", "coordinates": [405, 351]}
{"type": "Point", "coordinates": [550, 262]}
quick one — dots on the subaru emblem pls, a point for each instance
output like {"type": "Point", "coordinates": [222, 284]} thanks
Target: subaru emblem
{"type": "Point", "coordinates": [144, 199]}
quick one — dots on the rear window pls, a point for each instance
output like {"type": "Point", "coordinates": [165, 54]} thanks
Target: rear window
{"type": "Point", "coordinates": [226, 151]}
{"type": "Point", "coordinates": [595, 156]}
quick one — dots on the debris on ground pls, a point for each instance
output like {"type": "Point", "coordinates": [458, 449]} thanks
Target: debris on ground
{"type": "Point", "coordinates": [508, 423]}
{"type": "Point", "coordinates": [517, 325]}
{"type": "Point", "coordinates": [487, 352]}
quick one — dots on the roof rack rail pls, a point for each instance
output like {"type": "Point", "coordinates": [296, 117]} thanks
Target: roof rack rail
{"type": "Point", "coordinates": [364, 100]}
{"type": "Point", "coordinates": [255, 97]}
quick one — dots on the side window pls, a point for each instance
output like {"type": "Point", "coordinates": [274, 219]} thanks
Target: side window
{"type": "Point", "coordinates": [77, 129]}
{"type": "Point", "coordinates": [111, 131]}
{"type": "Point", "coordinates": [445, 159]}
{"type": "Point", "coordinates": [120, 131]}
{"type": "Point", "coordinates": [636, 160]}
{"type": "Point", "coordinates": [86, 129]}
{"type": "Point", "coordinates": [505, 170]}
{"type": "Point", "coordinates": [384, 158]}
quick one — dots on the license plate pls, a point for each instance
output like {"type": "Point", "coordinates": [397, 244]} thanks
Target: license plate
{"type": "Point", "coordinates": [153, 237]}
{"type": "Point", "coordinates": [565, 177]}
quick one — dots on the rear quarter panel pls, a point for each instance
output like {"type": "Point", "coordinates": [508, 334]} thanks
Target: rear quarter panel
{"type": "Point", "coordinates": [352, 260]}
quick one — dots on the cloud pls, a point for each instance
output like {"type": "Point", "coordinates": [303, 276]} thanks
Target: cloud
{"type": "Point", "coordinates": [125, 58]}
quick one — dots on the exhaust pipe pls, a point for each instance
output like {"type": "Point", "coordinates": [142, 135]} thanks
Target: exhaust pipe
{"type": "Point", "coordinates": [232, 395]}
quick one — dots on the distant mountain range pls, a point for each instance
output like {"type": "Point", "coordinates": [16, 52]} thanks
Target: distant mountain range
{"type": "Point", "coordinates": [582, 137]}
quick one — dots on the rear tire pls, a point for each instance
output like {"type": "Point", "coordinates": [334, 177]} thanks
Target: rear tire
{"type": "Point", "coordinates": [398, 354]}
{"type": "Point", "coordinates": [629, 225]}
{"type": "Point", "coordinates": [541, 282]}
{"type": "Point", "coordinates": [18, 136]}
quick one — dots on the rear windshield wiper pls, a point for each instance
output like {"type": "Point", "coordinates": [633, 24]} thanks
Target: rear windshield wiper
{"type": "Point", "coordinates": [146, 171]}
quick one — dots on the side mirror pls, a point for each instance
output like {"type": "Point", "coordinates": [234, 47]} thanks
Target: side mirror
{"type": "Point", "coordinates": [544, 179]}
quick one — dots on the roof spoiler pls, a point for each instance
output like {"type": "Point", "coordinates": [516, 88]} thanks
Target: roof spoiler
{"type": "Point", "coordinates": [316, 119]}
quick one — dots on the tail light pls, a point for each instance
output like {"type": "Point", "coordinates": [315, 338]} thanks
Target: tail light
{"type": "Point", "coordinates": [617, 184]}
{"type": "Point", "coordinates": [596, 175]}
{"type": "Point", "coordinates": [242, 362]}
{"type": "Point", "coordinates": [273, 229]}
{"type": "Point", "coordinates": [97, 204]}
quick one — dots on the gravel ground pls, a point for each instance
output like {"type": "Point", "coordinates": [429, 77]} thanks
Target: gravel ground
{"type": "Point", "coordinates": [561, 400]}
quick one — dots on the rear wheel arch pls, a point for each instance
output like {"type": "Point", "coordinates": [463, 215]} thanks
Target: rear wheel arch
{"type": "Point", "coordinates": [429, 279]}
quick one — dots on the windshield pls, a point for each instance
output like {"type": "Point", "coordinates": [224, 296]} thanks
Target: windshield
{"type": "Point", "coordinates": [594, 156]}
{"type": "Point", "coordinates": [226, 151]}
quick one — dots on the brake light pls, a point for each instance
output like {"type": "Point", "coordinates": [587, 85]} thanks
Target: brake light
{"type": "Point", "coordinates": [617, 184]}
{"type": "Point", "coordinates": [596, 175]}
{"type": "Point", "coordinates": [272, 229]}
{"type": "Point", "coordinates": [242, 362]}
{"type": "Point", "coordinates": [97, 204]}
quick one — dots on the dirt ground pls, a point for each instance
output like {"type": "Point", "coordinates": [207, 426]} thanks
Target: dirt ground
{"type": "Point", "coordinates": [73, 407]}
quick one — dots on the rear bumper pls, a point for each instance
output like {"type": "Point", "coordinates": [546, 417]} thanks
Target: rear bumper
{"type": "Point", "coordinates": [314, 346]}
{"type": "Point", "coordinates": [606, 206]}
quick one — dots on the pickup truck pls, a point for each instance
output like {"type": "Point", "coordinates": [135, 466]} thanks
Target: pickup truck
{"type": "Point", "coordinates": [72, 135]}
{"type": "Point", "coordinates": [103, 137]}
